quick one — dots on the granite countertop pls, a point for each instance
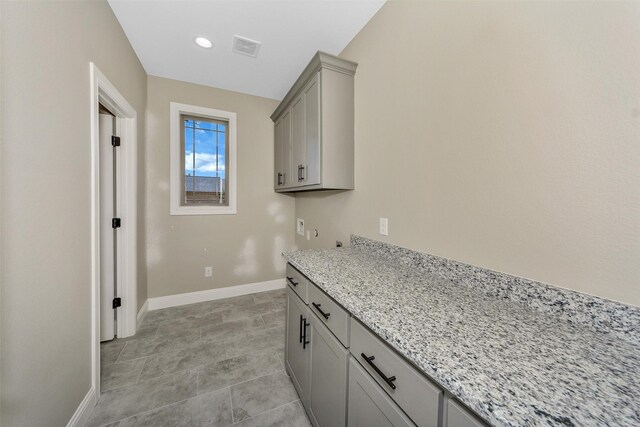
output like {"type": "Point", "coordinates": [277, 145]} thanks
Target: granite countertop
{"type": "Point", "coordinates": [512, 364]}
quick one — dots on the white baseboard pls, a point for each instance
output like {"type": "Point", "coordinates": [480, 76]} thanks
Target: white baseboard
{"type": "Point", "coordinates": [143, 312]}
{"type": "Point", "coordinates": [214, 294]}
{"type": "Point", "coordinates": [81, 415]}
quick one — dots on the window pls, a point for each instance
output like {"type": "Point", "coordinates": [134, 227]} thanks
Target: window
{"type": "Point", "coordinates": [203, 163]}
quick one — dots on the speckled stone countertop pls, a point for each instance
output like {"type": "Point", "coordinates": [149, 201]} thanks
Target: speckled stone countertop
{"type": "Point", "coordinates": [514, 362]}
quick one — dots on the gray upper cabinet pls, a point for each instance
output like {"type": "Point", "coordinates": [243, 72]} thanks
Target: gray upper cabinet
{"type": "Point", "coordinates": [314, 148]}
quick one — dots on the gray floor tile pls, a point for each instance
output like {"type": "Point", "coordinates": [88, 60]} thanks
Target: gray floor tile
{"type": "Point", "coordinates": [247, 311]}
{"type": "Point", "coordinates": [210, 410]}
{"type": "Point", "coordinates": [236, 370]}
{"type": "Point", "coordinates": [280, 305]}
{"type": "Point", "coordinates": [227, 304]}
{"type": "Point", "coordinates": [187, 357]}
{"type": "Point", "coordinates": [275, 318]}
{"type": "Point", "coordinates": [110, 350]}
{"type": "Point", "coordinates": [261, 394]}
{"type": "Point", "coordinates": [122, 374]}
{"type": "Point", "coordinates": [143, 332]}
{"type": "Point", "coordinates": [242, 348]}
{"type": "Point", "coordinates": [279, 294]}
{"type": "Point", "coordinates": [156, 316]}
{"type": "Point", "coordinates": [271, 338]}
{"type": "Point", "coordinates": [174, 327]}
{"type": "Point", "coordinates": [135, 349]}
{"type": "Point", "coordinates": [289, 415]}
{"type": "Point", "coordinates": [233, 329]}
{"type": "Point", "coordinates": [126, 401]}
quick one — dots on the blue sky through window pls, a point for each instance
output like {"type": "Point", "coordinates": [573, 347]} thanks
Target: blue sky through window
{"type": "Point", "coordinates": [204, 148]}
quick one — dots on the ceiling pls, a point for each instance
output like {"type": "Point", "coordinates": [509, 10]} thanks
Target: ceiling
{"type": "Point", "coordinates": [162, 34]}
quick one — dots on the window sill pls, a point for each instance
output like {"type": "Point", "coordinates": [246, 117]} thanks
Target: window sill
{"type": "Point", "coordinates": [203, 210]}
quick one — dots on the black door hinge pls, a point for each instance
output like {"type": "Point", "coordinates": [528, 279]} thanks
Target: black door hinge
{"type": "Point", "coordinates": [115, 141]}
{"type": "Point", "coordinates": [117, 302]}
{"type": "Point", "coordinates": [115, 223]}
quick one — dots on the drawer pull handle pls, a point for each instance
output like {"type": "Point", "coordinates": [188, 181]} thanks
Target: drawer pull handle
{"type": "Point", "coordinates": [304, 337]}
{"type": "Point", "coordinates": [301, 320]}
{"type": "Point", "coordinates": [317, 306]}
{"type": "Point", "coordinates": [290, 279]}
{"type": "Point", "coordinates": [388, 380]}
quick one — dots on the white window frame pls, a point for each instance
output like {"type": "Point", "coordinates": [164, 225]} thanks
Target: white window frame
{"type": "Point", "coordinates": [176, 181]}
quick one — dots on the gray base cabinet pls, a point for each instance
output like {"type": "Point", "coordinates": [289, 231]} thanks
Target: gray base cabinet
{"type": "Point", "coordinates": [327, 399]}
{"type": "Point", "coordinates": [369, 405]}
{"type": "Point", "coordinates": [297, 351]}
{"type": "Point", "coordinates": [457, 416]}
{"type": "Point", "coordinates": [346, 375]}
{"type": "Point", "coordinates": [315, 360]}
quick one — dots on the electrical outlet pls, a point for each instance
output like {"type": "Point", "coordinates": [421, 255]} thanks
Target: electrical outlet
{"type": "Point", "coordinates": [300, 226]}
{"type": "Point", "coordinates": [208, 271]}
{"type": "Point", "coordinates": [384, 226]}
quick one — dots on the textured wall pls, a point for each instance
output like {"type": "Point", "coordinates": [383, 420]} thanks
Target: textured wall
{"type": "Point", "coordinates": [242, 248]}
{"type": "Point", "coordinates": [45, 198]}
{"type": "Point", "coordinates": [501, 134]}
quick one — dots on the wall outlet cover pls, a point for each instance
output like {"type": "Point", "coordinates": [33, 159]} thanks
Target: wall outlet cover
{"type": "Point", "coordinates": [300, 226]}
{"type": "Point", "coordinates": [384, 226]}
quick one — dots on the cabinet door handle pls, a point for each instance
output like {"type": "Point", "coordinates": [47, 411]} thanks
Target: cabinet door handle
{"type": "Point", "coordinates": [290, 280]}
{"type": "Point", "coordinates": [301, 320]}
{"type": "Point", "coordinates": [280, 178]}
{"type": "Point", "coordinates": [304, 336]}
{"type": "Point", "coordinates": [388, 380]}
{"type": "Point", "coordinates": [302, 177]}
{"type": "Point", "coordinates": [317, 306]}
{"type": "Point", "coordinates": [299, 172]}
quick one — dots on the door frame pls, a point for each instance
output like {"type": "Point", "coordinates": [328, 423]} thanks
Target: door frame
{"type": "Point", "coordinates": [105, 93]}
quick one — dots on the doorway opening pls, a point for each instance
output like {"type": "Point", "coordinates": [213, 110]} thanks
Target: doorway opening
{"type": "Point", "coordinates": [114, 215]}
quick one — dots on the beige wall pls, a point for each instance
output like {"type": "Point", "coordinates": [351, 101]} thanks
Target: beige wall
{"type": "Point", "coordinates": [501, 134]}
{"type": "Point", "coordinates": [242, 248]}
{"type": "Point", "coordinates": [45, 198]}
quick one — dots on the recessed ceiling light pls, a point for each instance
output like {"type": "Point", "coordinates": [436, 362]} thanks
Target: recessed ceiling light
{"type": "Point", "coordinates": [203, 42]}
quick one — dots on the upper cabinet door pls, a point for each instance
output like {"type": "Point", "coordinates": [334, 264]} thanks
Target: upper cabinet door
{"type": "Point", "coordinates": [312, 132]}
{"type": "Point", "coordinates": [278, 169]}
{"type": "Point", "coordinates": [298, 146]}
{"type": "Point", "coordinates": [286, 151]}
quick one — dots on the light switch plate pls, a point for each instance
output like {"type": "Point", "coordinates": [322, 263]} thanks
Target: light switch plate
{"type": "Point", "coordinates": [384, 226]}
{"type": "Point", "coordinates": [300, 226]}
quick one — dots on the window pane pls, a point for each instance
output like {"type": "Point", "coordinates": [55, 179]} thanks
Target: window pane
{"type": "Point", "coordinates": [205, 145]}
{"type": "Point", "coordinates": [205, 125]}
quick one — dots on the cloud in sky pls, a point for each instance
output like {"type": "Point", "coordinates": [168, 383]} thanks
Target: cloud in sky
{"type": "Point", "coordinates": [205, 163]}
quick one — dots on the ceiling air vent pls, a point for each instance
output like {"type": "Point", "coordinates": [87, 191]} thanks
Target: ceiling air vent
{"type": "Point", "coordinates": [245, 46]}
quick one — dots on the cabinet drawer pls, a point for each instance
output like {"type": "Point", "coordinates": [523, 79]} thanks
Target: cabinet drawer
{"type": "Point", "coordinates": [369, 405]}
{"type": "Point", "coordinates": [458, 416]}
{"type": "Point", "coordinates": [298, 283]}
{"type": "Point", "coordinates": [418, 397]}
{"type": "Point", "coordinates": [330, 313]}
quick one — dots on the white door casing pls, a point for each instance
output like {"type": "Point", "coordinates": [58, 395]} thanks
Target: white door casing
{"type": "Point", "coordinates": [103, 92]}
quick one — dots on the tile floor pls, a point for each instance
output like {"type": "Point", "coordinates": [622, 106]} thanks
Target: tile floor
{"type": "Point", "coordinates": [218, 363]}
